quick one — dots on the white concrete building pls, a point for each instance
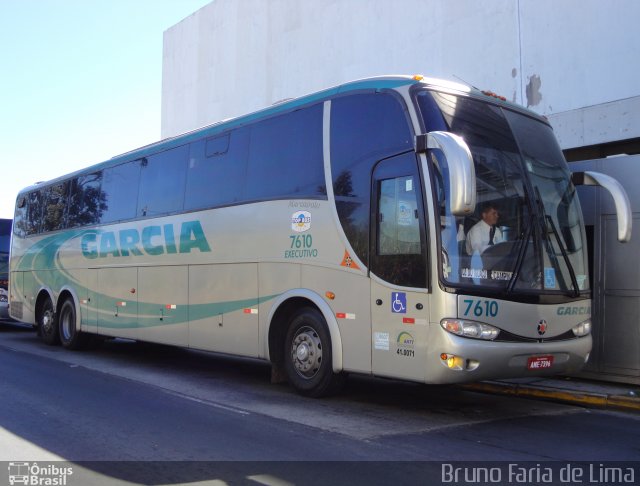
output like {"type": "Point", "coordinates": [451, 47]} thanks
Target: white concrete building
{"type": "Point", "coordinates": [575, 61]}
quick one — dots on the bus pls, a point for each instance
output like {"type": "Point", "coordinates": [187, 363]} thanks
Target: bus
{"type": "Point", "coordinates": [5, 242]}
{"type": "Point", "coordinates": [326, 235]}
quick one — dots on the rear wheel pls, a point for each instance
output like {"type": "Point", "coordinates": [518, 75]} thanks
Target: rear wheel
{"type": "Point", "coordinates": [308, 357]}
{"type": "Point", "coordinates": [70, 336]}
{"type": "Point", "coordinates": [47, 324]}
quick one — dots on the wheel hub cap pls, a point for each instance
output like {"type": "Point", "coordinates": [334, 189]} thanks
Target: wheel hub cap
{"type": "Point", "coordinates": [306, 352]}
{"type": "Point", "coordinates": [302, 352]}
{"type": "Point", "coordinates": [47, 320]}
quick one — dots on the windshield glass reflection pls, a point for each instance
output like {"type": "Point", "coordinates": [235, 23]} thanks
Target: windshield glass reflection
{"type": "Point", "coordinates": [526, 234]}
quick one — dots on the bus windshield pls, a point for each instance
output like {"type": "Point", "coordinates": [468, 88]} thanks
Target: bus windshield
{"type": "Point", "coordinates": [526, 235]}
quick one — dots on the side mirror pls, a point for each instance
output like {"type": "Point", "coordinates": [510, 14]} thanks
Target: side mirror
{"type": "Point", "coordinates": [620, 198]}
{"type": "Point", "coordinates": [462, 174]}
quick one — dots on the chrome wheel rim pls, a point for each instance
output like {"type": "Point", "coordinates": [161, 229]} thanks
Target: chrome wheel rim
{"type": "Point", "coordinates": [306, 352]}
{"type": "Point", "coordinates": [47, 320]}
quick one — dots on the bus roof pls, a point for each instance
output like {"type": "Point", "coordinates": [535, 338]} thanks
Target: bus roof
{"type": "Point", "coordinates": [377, 82]}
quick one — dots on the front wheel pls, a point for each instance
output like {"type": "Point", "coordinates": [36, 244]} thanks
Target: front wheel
{"type": "Point", "coordinates": [308, 357]}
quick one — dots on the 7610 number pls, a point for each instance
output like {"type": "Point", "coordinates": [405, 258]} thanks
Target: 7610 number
{"type": "Point", "coordinates": [301, 241]}
{"type": "Point", "coordinates": [480, 308]}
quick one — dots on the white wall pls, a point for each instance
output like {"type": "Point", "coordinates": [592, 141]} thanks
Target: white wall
{"type": "Point", "coordinates": [586, 53]}
{"type": "Point", "coordinates": [575, 61]}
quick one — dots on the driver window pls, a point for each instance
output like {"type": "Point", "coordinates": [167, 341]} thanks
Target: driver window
{"type": "Point", "coordinates": [399, 226]}
{"type": "Point", "coordinates": [398, 240]}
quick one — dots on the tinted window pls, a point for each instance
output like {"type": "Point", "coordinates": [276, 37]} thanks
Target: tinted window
{"type": "Point", "coordinates": [55, 206]}
{"type": "Point", "coordinates": [217, 177]}
{"type": "Point", "coordinates": [365, 128]}
{"type": "Point", "coordinates": [5, 243]}
{"type": "Point", "coordinates": [218, 145]}
{"type": "Point", "coordinates": [87, 202]}
{"type": "Point", "coordinates": [120, 186]}
{"type": "Point", "coordinates": [162, 180]}
{"type": "Point", "coordinates": [34, 213]}
{"type": "Point", "coordinates": [398, 228]}
{"type": "Point", "coordinates": [399, 237]}
{"type": "Point", "coordinates": [431, 114]}
{"type": "Point", "coordinates": [20, 216]}
{"type": "Point", "coordinates": [5, 235]}
{"type": "Point", "coordinates": [285, 156]}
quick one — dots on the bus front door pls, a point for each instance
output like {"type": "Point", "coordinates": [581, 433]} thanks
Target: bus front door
{"type": "Point", "coordinates": [398, 269]}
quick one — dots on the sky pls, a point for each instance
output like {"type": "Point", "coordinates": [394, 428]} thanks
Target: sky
{"type": "Point", "coordinates": [80, 82]}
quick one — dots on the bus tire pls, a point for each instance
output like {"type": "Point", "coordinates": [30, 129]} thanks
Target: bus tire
{"type": "Point", "coordinates": [70, 336]}
{"type": "Point", "coordinates": [307, 355]}
{"type": "Point", "coordinates": [47, 323]}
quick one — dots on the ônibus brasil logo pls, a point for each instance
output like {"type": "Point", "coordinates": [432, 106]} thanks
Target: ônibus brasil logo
{"type": "Point", "coordinates": [40, 475]}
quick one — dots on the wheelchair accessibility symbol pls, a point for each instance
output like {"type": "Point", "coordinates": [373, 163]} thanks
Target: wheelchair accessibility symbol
{"type": "Point", "coordinates": [399, 303]}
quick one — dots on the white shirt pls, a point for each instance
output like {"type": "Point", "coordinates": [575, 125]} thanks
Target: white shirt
{"type": "Point", "coordinates": [478, 237]}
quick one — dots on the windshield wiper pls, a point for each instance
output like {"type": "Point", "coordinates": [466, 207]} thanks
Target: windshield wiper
{"type": "Point", "coordinates": [547, 220]}
{"type": "Point", "coordinates": [522, 250]}
{"type": "Point", "coordinates": [572, 273]}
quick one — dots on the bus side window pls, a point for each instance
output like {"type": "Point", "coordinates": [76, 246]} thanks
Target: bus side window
{"type": "Point", "coordinates": [365, 128]}
{"type": "Point", "coordinates": [162, 182]}
{"type": "Point", "coordinates": [118, 184]}
{"type": "Point", "coordinates": [285, 157]}
{"type": "Point", "coordinates": [34, 213]}
{"type": "Point", "coordinates": [216, 170]}
{"type": "Point", "coordinates": [87, 202]}
{"type": "Point", "coordinates": [20, 217]}
{"type": "Point", "coordinates": [55, 207]}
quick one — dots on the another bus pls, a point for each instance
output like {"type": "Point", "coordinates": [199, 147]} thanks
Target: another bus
{"type": "Point", "coordinates": [327, 235]}
{"type": "Point", "coordinates": [5, 243]}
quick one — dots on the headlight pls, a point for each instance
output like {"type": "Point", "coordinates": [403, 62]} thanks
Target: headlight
{"type": "Point", "coordinates": [3, 298]}
{"type": "Point", "coordinates": [582, 329]}
{"type": "Point", "coordinates": [470, 329]}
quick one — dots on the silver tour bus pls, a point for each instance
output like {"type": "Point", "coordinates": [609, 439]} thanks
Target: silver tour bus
{"type": "Point", "coordinates": [396, 226]}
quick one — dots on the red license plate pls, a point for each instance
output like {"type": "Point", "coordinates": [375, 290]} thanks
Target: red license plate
{"type": "Point", "coordinates": [540, 362]}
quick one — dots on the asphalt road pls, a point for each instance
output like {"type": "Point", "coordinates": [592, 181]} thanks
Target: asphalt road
{"type": "Point", "coordinates": [126, 401]}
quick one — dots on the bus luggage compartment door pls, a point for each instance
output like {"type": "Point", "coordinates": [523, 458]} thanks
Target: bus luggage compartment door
{"type": "Point", "coordinates": [118, 302]}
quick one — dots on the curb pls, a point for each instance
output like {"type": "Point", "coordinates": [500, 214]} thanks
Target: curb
{"type": "Point", "coordinates": [587, 399]}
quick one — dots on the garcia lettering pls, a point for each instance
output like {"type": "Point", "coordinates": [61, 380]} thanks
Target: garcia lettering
{"type": "Point", "coordinates": [574, 311]}
{"type": "Point", "coordinates": [152, 240]}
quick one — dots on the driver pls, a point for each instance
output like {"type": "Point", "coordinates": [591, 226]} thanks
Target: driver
{"type": "Point", "coordinates": [484, 233]}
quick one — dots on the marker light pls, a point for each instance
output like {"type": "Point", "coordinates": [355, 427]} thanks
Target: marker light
{"type": "Point", "coordinates": [330, 295]}
{"type": "Point", "coordinates": [494, 95]}
{"type": "Point", "coordinates": [418, 77]}
{"type": "Point", "coordinates": [458, 363]}
{"type": "Point", "coordinates": [582, 329]}
{"type": "Point", "coordinates": [470, 329]}
{"type": "Point", "coordinates": [452, 361]}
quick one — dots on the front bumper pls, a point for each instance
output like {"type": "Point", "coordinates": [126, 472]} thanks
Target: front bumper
{"type": "Point", "coordinates": [487, 360]}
